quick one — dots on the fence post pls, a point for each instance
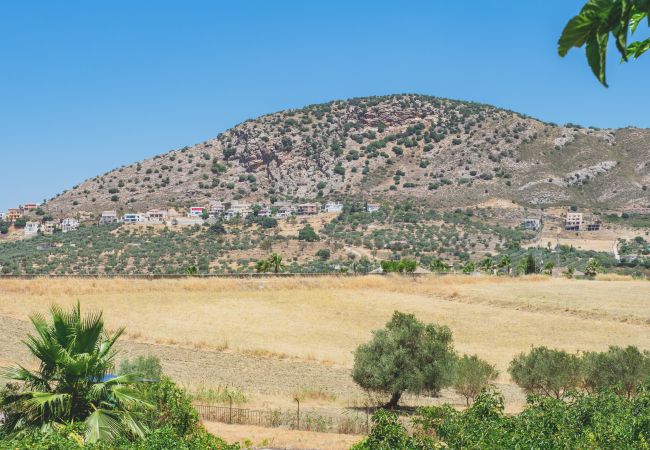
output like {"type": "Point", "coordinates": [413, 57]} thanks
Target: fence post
{"type": "Point", "coordinates": [367, 420]}
{"type": "Point", "coordinates": [298, 422]}
{"type": "Point", "coordinates": [230, 410]}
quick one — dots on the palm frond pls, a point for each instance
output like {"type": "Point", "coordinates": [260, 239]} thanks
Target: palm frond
{"type": "Point", "coordinates": [128, 397]}
{"type": "Point", "coordinates": [49, 403]}
{"type": "Point", "coordinates": [103, 425]}
{"type": "Point", "coordinates": [132, 423]}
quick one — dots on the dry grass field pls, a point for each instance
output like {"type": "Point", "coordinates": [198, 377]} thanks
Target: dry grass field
{"type": "Point", "coordinates": [273, 337]}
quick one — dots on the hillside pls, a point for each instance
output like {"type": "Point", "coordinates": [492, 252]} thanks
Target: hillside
{"type": "Point", "coordinates": [443, 152]}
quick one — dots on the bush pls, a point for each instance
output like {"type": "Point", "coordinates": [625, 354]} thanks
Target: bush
{"type": "Point", "coordinates": [147, 367]}
{"type": "Point", "coordinates": [401, 266]}
{"type": "Point", "coordinates": [324, 254]}
{"type": "Point", "coordinates": [308, 234]}
{"type": "Point", "coordinates": [546, 371]}
{"type": "Point", "coordinates": [389, 434]}
{"type": "Point", "coordinates": [620, 369]}
{"type": "Point", "coordinates": [406, 355]}
{"type": "Point", "coordinates": [602, 421]}
{"type": "Point", "coordinates": [471, 376]}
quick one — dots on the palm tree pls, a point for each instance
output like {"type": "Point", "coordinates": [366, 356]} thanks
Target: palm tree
{"type": "Point", "coordinates": [275, 261]}
{"type": "Point", "coordinates": [73, 383]}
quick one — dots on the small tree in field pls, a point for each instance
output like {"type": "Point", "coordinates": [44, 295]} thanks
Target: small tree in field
{"type": "Point", "coordinates": [406, 355]}
{"type": "Point", "coordinates": [546, 371]}
{"type": "Point", "coordinates": [623, 369]}
{"type": "Point", "coordinates": [592, 268]}
{"type": "Point", "coordinates": [472, 375]}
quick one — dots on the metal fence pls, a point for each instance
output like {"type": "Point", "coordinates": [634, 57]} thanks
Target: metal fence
{"type": "Point", "coordinates": [348, 422]}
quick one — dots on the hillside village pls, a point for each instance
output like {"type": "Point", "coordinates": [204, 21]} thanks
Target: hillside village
{"type": "Point", "coordinates": [34, 221]}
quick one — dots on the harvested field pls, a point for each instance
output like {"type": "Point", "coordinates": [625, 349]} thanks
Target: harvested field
{"type": "Point", "coordinates": [273, 337]}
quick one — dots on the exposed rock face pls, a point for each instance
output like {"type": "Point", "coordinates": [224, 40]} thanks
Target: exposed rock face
{"type": "Point", "coordinates": [445, 152]}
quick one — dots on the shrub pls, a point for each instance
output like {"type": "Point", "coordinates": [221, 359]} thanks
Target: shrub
{"type": "Point", "coordinates": [472, 375]}
{"type": "Point", "coordinates": [620, 369]}
{"type": "Point", "coordinates": [546, 371]}
{"type": "Point", "coordinates": [324, 254]}
{"type": "Point", "coordinates": [147, 367]}
{"type": "Point", "coordinates": [405, 355]}
{"type": "Point", "coordinates": [389, 434]}
{"type": "Point", "coordinates": [401, 266]}
{"type": "Point", "coordinates": [308, 234]}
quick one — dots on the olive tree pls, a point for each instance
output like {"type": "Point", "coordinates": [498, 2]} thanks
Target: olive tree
{"type": "Point", "coordinates": [622, 369]}
{"type": "Point", "coordinates": [471, 376]}
{"type": "Point", "coordinates": [546, 371]}
{"type": "Point", "coordinates": [406, 355]}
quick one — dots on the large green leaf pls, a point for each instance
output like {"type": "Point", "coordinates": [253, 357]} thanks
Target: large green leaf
{"type": "Point", "coordinates": [597, 54]}
{"type": "Point", "coordinates": [103, 425]}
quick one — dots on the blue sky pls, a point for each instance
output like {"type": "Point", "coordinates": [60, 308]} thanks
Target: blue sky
{"type": "Point", "coordinates": [88, 86]}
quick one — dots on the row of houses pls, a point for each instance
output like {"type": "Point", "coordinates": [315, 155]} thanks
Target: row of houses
{"type": "Point", "coordinates": [14, 214]}
{"type": "Point", "coordinates": [50, 227]}
{"type": "Point", "coordinates": [216, 210]}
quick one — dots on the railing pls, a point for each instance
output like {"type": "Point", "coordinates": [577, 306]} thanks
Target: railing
{"type": "Point", "coordinates": [354, 422]}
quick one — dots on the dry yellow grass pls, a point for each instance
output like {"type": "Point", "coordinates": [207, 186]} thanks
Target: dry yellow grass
{"type": "Point", "coordinates": [326, 318]}
{"type": "Point", "coordinates": [259, 437]}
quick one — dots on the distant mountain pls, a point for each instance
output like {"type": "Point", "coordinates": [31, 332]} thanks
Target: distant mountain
{"type": "Point", "coordinates": [443, 152]}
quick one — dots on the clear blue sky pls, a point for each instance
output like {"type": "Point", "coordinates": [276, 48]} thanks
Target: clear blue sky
{"type": "Point", "coordinates": [86, 86]}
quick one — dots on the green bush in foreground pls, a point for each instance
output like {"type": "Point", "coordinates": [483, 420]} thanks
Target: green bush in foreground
{"type": "Point", "coordinates": [68, 438]}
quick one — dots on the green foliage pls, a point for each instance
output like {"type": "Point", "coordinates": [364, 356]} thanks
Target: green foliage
{"type": "Point", "coordinates": [405, 355]}
{"type": "Point", "coordinates": [69, 438]}
{"type": "Point", "coordinates": [147, 367]}
{"type": "Point", "coordinates": [592, 26]}
{"type": "Point", "coordinates": [546, 371]}
{"type": "Point", "coordinates": [308, 234]}
{"type": "Point", "coordinates": [472, 375]}
{"type": "Point", "coordinates": [592, 268]}
{"type": "Point", "coordinates": [389, 434]}
{"type": "Point", "coordinates": [437, 265]}
{"type": "Point", "coordinates": [271, 264]}
{"type": "Point", "coordinates": [620, 369]}
{"type": "Point", "coordinates": [20, 222]}
{"type": "Point", "coordinates": [528, 265]}
{"type": "Point", "coordinates": [602, 421]}
{"type": "Point", "coordinates": [324, 254]}
{"type": "Point", "coordinates": [404, 265]}
{"type": "Point", "coordinates": [74, 355]}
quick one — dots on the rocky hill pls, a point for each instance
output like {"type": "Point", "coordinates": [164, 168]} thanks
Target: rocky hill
{"type": "Point", "coordinates": [445, 153]}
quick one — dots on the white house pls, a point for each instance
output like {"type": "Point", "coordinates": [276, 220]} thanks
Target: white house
{"type": "Point", "coordinates": [133, 218]}
{"type": "Point", "coordinates": [241, 208]}
{"type": "Point", "coordinates": [2, 216]}
{"type": "Point", "coordinates": [532, 223]}
{"type": "Point", "coordinates": [69, 224]}
{"type": "Point", "coordinates": [31, 228]}
{"type": "Point", "coordinates": [195, 211]}
{"type": "Point", "coordinates": [216, 209]}
{"type": "Point", "coordinates": [372, 207]}
{"type": "Point", "coordinates": [49, 227]}
{"type": "Point", "coordinates": [333, 207]}
{"type": "Point", "coordinates": [156, 215]}
{"type": "Point", "coordinates": [264, 212]}
{"type": "Point", "coordinates": [108, 217]}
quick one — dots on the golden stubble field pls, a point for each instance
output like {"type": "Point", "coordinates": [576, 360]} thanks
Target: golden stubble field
{"type": "Point", "coordinates": [277, 335]}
